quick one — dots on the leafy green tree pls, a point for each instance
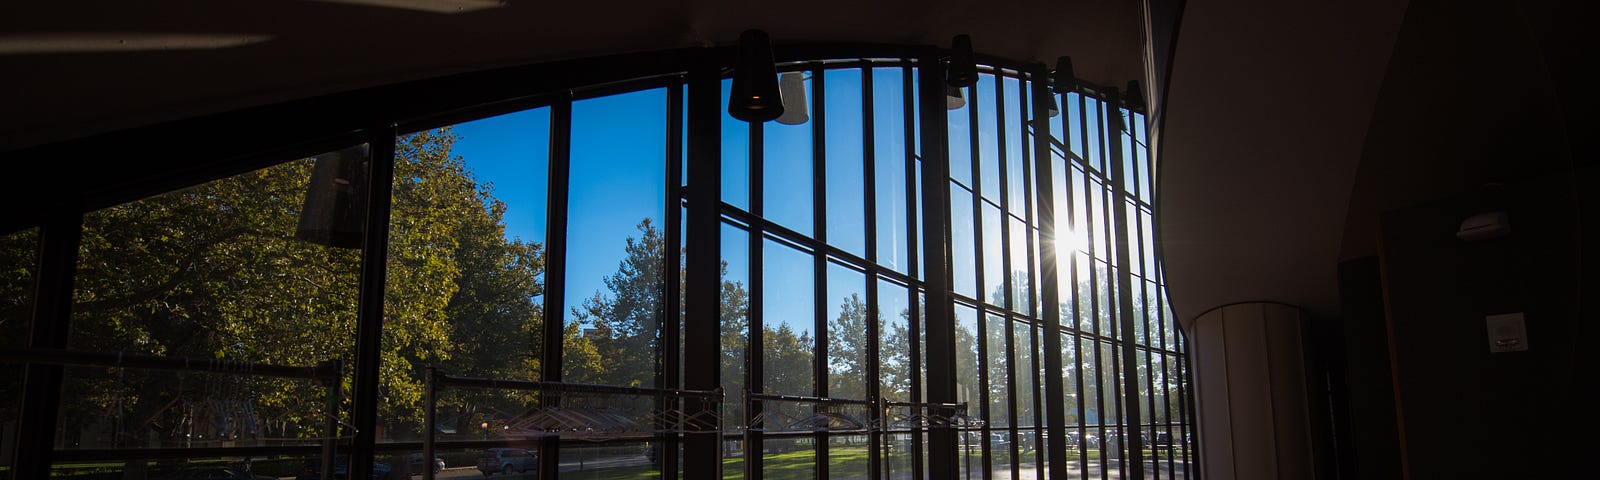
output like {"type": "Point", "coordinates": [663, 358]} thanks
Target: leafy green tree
{"type": "Point", "coordinates": [627, 322]}
{"type": "Point", "coordinates": [215, 271]}
{"type": "Point", "coordinates": [847, 350]}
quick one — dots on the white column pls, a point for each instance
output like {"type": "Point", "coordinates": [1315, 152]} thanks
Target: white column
{"type": "Point", "coordinates": [1250, 392]}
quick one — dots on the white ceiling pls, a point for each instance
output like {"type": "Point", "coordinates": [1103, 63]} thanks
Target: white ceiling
{"type": "Point", "coordinates": [1266, 116]}
{"type": "Point", "coordinates": [206, 56]}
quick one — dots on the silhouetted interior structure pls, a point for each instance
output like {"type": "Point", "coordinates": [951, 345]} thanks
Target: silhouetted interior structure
{"type": "Point", "coordinates": [444, 238]}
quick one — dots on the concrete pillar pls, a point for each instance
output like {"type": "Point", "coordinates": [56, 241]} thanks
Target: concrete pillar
{"type": "Point", "coordinates": [1250, 392]}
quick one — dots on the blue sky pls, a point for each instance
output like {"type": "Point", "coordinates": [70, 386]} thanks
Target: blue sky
{"type": "Point", "coordinates": [618, 177]}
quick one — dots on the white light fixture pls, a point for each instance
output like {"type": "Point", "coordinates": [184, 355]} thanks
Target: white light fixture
{"type": "Point", "coordinates": [430, 6]}
{"type": "Point", "coordinates": [104, 42]}
{"type": "Point", "coordinates": [953, 98]}
{"type": "Point", "coordinates": [792, 87]}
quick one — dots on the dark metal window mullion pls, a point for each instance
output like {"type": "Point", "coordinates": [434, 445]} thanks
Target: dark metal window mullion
{"type": "Point", "coordinates": [1130, 359]}
{"type": "Point", "coordinates": [934, 127]}
{"type": "Point", "coordinates": [1094, 294]}
{"type": "Point", "coordinates": [981, 323]}
{"type": "Point", "coordinates": [819, 297]}
{"type": "Point", "coordinates": [1049, 395]}
{"type": "Point", "coordinates": [913, 322]}
{"type": "Point", "coordinates": [702, 294]}
{"type": "Point", "coordinates": [1067, 122]}
{"type": "Point", "coordinates": [870, 201]}
{"type": "Point", "coordinates": [1007, 281]}
{"type": "Point", "coordinates": [670, 359]}
{"type": "Point", "coordinates": [555, 268]}
{"type": "Point", "coordinates": [59, 239]}
{"type": "Point", "coordinates": [755, 375]}
{"type": "Point", "coordinates": [374, 268]}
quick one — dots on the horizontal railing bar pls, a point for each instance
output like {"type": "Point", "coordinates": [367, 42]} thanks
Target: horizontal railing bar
{"type": "Point", "coordinates": [79, 358]}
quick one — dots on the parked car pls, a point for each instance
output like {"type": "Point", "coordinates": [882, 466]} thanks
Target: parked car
{"type": "Point", "coordinates": [216, 473]}
{"type": "Point", "coordinates": [341, 470]}
{"type": "Point", "coordinates": [1163, 440]}
{"type": "Point", "coordinates": [507, 461]}
{"type": "Point", "coordinates": [414, 464]}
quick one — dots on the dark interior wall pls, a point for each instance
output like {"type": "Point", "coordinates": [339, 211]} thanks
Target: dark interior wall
{"type": "Point", "coordinates": [1361, 388]}
{"type": "Point", "coordinates": [1469, 98]}
{"type": "Point", "coordinates": [1465, 412]}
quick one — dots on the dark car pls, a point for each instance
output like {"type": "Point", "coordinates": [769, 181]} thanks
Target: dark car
{"type": "Point", "coordinates": [507, 461]}
{"type": "Point", "coordinates": [216, 473]}
{"type": "Point", "coordinates": [341, 470]}
{"type": "Point", "coordinates": [414, 464]}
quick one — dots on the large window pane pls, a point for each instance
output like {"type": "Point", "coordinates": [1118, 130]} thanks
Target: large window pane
{"type": "Point", "coordinates": [986, 97]}
{"type": "Point", "coordinates": [1026, 372]}
{"type": "Point", "coordinates": [960, 135]}
{"type": "Point", "coordinates": [18, 262]}
{"type": "Point", "coordinates": [786, 168]}
{"type": "Point", "coordinates": [889, 161]}
{"type": "Point", "coordinates": [894, 342]}
{"type": "Point", "coordinates": [787, 316]}
{"type": "Point", "coordinates": [1021, 275]}
{"type": "Point", "coordinates": [996, 362]}
{"type": "Point", "coordinates": [259, 267]}
{"type": "Point", "coordinates": [968, 385]}
{"type": "Point", "coordinates": [963, 242]}
{"type": "Point", "coordinates": [735, 155]}
{"type": "Point", "coordinates": [846, 227]}
{"type": "Point", "coordinates": [472, 251]}
{"type": "Point", "coordinates": [735, 316]}
{"type": "Point", "coordinates": [615, 252]}
{"type": "Point", "coordinates": [847, 456]}
{"type": "Point", "coordinates": [847, 332]}
{"type": "Point", "coordinates": [994, 267]}
{"type": "Point", "coordinates": [1015, 99]}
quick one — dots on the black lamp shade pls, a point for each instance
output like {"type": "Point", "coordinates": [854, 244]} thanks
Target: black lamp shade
{"type": "Point", "coordinates": [1134, 99]}
{"type": "Point", "coordinates": [754, 94]}
{"type": "Point", "coordinates": [334, 212]}
{"type": "Point", "coordinates": [963, 70]}
{"type": "Point", "coordinates": [1063, 81]}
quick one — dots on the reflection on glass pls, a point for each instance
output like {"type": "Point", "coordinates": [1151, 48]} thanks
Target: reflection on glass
{"type": "Point", "coordinates": [1093, 121]}
{"type": "Point", "coordinates": [894, 342]}
{"type": "Point", "coordinates": [735, 316]}
{"type": "Point", "coordinates": [846, 214]}
{"type": "Point", "coordinates": [995, 338]}
{"type": "Point", "coordinates": [786, 167]}
{"type": "Point", "coordinates": [889, 161]}
{"type": "Point", "coordinates": [897, 456]}
{"type": "Point", "coordinates": [787, 316]}
{"type": "Point", "coordinates": [994, 266]}
{"type": "Point", "coordinates": [1071, 398]}
{"type": "Point", "coordinates": [615, 250]}
{"type": "Point", "coordinates": [18, 261]}
{"type": "Point", "coordinates": [968, 383]}
{"type": "Point", "coordinates": [1087, 300]}
{"type": "Point", "coordinates": [985, 99]}
{"type": "Point", "coordinates": [735, 155]}
{"type": "Point", "coordinates": [1015, 107]}
{"type": "Point", "coordinates": [790, 457]}
{"type": "Point", "coordinates": [960, 135]}
{"type": "Point", "coordinates": [609, 461]}
{"type": "Point", "coordinates": [963, 242]}
{"type": "Point", "coordinates": [847, 456]}
{"type": "Point", "coordinates": [476, 249]}
{"type": "Point", "coordinates": [847, 332]}
{"type": "Point", "coordinates": [1026, 372]}
{"type": "Point", "coordinates": [1021, 275]}
{"type": "Point", "coordinates": [239, 268]}
{"type": "Point", "coordinates": [1074, 110]}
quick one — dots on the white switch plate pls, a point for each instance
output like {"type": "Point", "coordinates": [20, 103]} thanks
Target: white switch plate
{"type": "Point", "coordinates": [1507, 333]}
